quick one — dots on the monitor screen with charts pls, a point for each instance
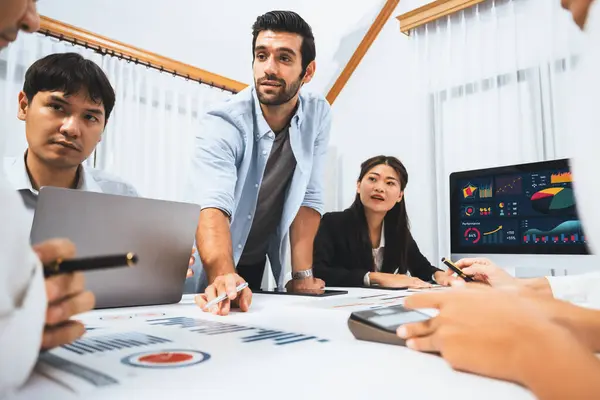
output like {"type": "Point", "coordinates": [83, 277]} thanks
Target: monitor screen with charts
{"type": "Point", "coordinates": [517, 209]}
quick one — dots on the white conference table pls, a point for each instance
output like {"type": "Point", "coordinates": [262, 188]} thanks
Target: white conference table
{"type": "Point", "coordinates": [341, 368]}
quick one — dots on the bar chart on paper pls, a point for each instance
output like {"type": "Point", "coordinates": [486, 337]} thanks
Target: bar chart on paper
{"type": "Point", "coordinates": [250, 334]}
{"type": "Point", "coordinates": [110, 356]}
{"type": "Point", "coordinates": [117, 341]}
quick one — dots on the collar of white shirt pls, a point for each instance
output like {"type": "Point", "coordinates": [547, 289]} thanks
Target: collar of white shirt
{"type": "Point", "coordinates": [378, 252]}
{"type": "Point", "coordinates": [16, 172]}
{"type": "Point", "coordinates": [382, 240]}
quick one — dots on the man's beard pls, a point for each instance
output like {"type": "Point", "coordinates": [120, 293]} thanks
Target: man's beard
{"type": "Point", "coordinates": [286, 93]}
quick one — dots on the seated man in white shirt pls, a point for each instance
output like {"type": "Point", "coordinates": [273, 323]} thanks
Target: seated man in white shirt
{"type": "Point", "coordinates": [30, 317]}
{"type": "Point", "coordinates": [66, 102]}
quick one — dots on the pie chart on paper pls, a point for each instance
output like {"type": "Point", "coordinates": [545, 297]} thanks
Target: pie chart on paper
{"type": "Point", "coordinates": [555, 200]}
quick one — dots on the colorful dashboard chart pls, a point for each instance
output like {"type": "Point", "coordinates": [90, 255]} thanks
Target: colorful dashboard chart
{"type": "Point", "coordinates": [468, 191]}
{"type": "Point", "coordinates": [494, 236]}
{"type": "Point", "coordinates": [512, 185]}
{"type": "Point", "coordinates": [468, 211]}
{"type": "Point", "coordinates": [490, 232]}
{"type": "Point", "coordinates": [472, 235]}
{"type": "Point", "coordinates": [561, 177]}
{"type": "Point", "coordinates": [485, 191]}
{"type": "Point", "coordinates": [556, 200]}
{"type": "Point", "coordinates": [566, 232]}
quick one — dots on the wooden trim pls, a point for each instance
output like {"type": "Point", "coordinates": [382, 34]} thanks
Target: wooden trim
{"type": "Point", "coordinates": [106, 46]}
{"type": "Point", "coordinates": [363, 47]}
{"type": "Point", "coordinates": [431, 12]}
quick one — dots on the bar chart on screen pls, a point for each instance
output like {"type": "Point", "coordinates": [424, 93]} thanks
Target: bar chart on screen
{"type": "Point", "coordinates": [554, 231]}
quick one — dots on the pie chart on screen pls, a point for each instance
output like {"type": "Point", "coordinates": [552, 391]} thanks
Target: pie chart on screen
{"type": "Point", "coordinates": [557, 200]}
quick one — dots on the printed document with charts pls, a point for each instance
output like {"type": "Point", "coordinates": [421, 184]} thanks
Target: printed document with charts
{"type": "Point", "coordinates": [173, 352]}
{"type": "Point", "coordinates": [126, 346]}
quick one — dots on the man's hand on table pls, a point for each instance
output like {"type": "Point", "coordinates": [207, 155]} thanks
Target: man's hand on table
{"type": "Point", "coordinates": [225, 284]}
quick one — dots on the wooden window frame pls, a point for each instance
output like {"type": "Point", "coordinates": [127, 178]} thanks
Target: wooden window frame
{"type": "Point", "coordinates": [105, 46]}
{"type": "Point", "coordinates": [431, 12]}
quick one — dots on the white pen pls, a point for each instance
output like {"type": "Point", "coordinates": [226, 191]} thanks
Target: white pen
{"type": "Point", "coordinates": [222, 297]}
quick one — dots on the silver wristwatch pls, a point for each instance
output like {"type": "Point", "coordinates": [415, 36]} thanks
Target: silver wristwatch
{"type": "Point", "coordinates": [307, 273]}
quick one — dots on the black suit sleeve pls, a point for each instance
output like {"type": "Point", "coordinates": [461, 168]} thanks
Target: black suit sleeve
{"type": "Point", "coordinates": [418, 265]}
{"type": "Point", "coordinates": [328, 264]}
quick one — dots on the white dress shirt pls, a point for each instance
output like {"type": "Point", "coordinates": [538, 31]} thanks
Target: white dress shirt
{"type": "Point", "coordinates": [584, 120]}
{"type": "Point", "coordinates": [22, 293]}
{"type": "Point", "coordinates": [583, 289]}
{"type": "Point", "coordinates": [90, 180]}
{"type": "Point", "coordinates": [377, 257]}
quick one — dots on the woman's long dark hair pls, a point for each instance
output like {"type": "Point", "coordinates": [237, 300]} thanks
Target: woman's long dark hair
{"type": "Point", "coordinates": [397, 227]}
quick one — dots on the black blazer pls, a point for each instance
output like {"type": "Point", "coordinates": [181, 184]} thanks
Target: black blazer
{"type": "Point", "coordinates": [340, 259]}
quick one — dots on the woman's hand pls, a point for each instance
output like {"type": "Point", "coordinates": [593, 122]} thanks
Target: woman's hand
{"type": "Point", "coordinates": [397, 280]}
{"type": "Point", "coordinates": [445, 279]}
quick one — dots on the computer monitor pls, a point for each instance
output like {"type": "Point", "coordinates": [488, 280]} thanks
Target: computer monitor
{"type": "Point", "coordinates": [521, 215]}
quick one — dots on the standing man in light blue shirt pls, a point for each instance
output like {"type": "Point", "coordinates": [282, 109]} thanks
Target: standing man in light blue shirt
{"type": "Point", "coordinates": [65, 103]}
{"type": "Point", "coordinates": [259, 168]}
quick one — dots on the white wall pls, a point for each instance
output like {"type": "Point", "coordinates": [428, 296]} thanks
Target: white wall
{"type": "Point", "coordinates": [217, 35]}
{"type": "Point", "coordinates": [409, 5]}
{"type": "Point", "coordinates": [372, 116]}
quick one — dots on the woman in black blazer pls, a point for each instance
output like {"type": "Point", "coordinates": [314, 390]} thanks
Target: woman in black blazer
{"type": "Point", "coordinates": [370, 242]}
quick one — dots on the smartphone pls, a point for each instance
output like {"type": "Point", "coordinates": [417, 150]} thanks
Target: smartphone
{"type": "Point", "coordinates": [458, 271]}
{"type": "Point", "coordinates": [379, 325]}
{"type": "Point", "coordinates": [310, 293]}
{"type": "Point", "coordinates": [384, 287]}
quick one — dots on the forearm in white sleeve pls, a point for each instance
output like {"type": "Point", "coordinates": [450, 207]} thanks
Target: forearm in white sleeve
{"type": "Point", "coordinates": [582, 289]}
{"type": "Point", "coordinates": [22, 294]}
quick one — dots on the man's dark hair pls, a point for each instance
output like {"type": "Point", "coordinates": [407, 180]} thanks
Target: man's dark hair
{"type": "Point", "coordinates": [70, 73]}
{"type": "Point", "coordinates": [287, 21]}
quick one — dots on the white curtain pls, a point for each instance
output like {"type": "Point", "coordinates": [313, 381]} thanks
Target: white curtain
{"type": "Point", "coordinates": [149, 137]}
{"type": "Point", "coordinates": [490, 88]}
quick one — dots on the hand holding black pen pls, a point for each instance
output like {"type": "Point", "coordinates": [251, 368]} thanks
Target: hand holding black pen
{"type": "Point", "coordinates": [61, 266]}
{"type": "Point", "coordinates": [458, 271]}
{"type": "Point", "coordinates": [65, 295]}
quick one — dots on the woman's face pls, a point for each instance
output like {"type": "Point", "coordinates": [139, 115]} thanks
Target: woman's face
{"type": "Point", "coordinates": [379, 189]}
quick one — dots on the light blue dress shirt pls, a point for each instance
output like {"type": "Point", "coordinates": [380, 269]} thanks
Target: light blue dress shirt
{"type": "Point", "coordinates": [230, 155]}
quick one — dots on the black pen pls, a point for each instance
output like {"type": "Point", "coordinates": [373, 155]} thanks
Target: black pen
{"type": "Point", "coordinates": [458, 271]}
{"type": "Point", "coordinates": [90, 263]}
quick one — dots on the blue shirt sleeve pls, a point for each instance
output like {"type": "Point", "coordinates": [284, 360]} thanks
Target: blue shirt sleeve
{"type": "Point", "coordinates": [314, 197]}
{"type": "Point", "coordinates": [131, 191]}
{"type": "Point", "coordinates": [217, 147]}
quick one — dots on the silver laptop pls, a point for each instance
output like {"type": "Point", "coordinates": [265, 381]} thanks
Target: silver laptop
{"type": "Point", "coordinates": [160, 232]}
